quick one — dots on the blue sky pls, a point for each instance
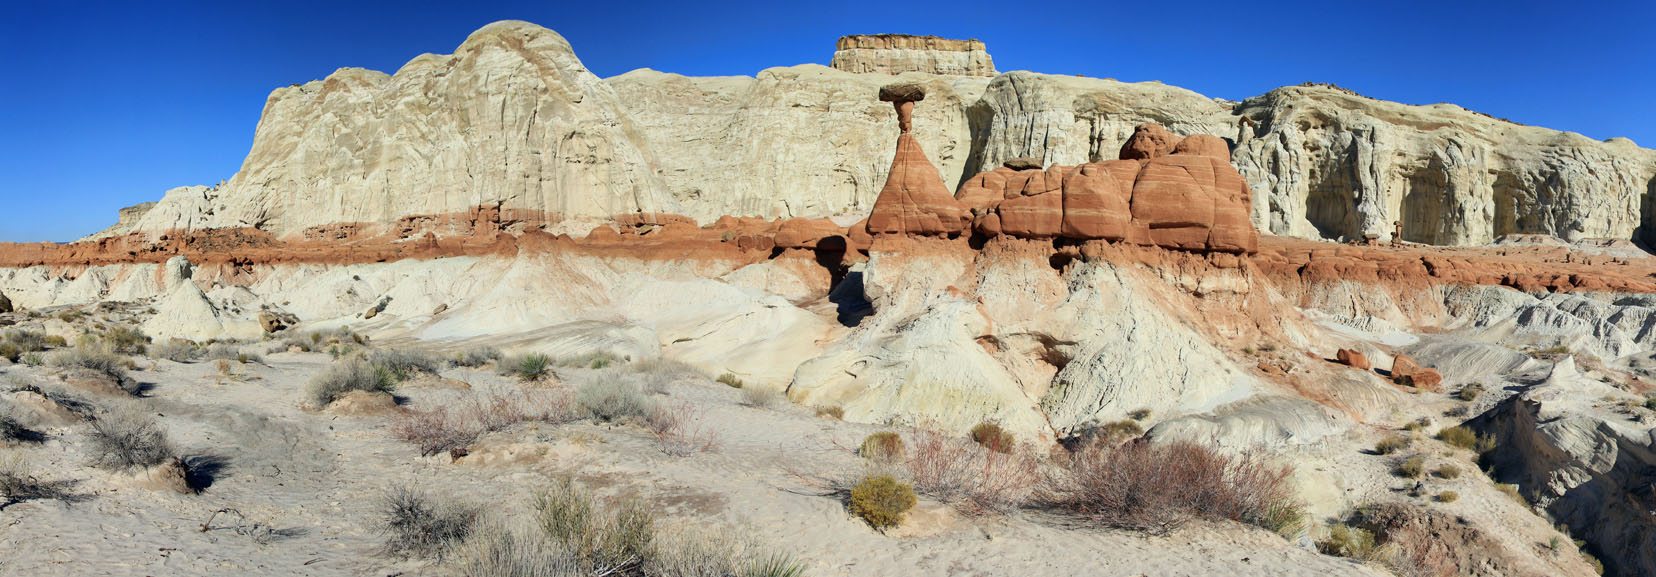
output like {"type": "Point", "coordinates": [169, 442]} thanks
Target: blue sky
{"type": "Point", "coordinates": [108, 104]}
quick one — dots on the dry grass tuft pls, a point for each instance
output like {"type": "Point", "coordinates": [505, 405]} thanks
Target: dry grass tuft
{"type": "Point", "coordinates": [417, 526]}
{"type": "Point", "coordinates": [346, 375]}
{"type": "Point", "coordinates": [126, 439]}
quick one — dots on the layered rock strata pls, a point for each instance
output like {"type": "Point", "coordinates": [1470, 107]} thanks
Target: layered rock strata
{"type": "Point", "coordinates": [899, 53]}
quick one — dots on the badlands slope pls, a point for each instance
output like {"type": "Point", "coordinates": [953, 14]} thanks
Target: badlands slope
{"type": "Point", "coordinates": [1060, 269]}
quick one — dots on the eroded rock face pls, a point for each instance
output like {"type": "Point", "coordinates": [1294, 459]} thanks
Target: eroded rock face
{"type": "Point", "coordinates": [512, 117]}
{"type": "Point", "coordinates": [914, 200]}
{"type": "Point", "coordinates": [899, 53]}
{"type": "Point", "coordinates": [797, 142]}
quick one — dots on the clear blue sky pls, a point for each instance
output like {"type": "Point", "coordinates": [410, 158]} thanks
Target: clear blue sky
{"type": "Point", "coordinates": [106, 104]}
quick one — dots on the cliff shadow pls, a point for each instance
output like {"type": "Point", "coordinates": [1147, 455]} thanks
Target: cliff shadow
{"type": "Point", "coordinates": [1645, 235]}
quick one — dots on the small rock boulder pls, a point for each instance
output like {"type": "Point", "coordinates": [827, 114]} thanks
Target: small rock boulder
{"type": "Point", "coordinates": [1023, 163]}
{"type": "Point", "coordinates": [1352, 359]}
{"type": "Point", "coordinates": [1149, 140]}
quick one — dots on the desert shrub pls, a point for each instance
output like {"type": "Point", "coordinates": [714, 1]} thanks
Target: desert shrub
{"type": "Point", "coordinates": [1157, 487]}
{"type": "Point", "coordinates": [1594, 562]}
{"type": "Point", "coordinates": [417, 526]}
{"type": "Point", "coordinates": [1413, 467]}
{"type": "Point", "coordinates": [1511, 490]}
{"type": "Point", "coordinates": [176, 350]}
{"type": "Point", "coordinates": [1419, 424]}
{"type": "Point", "coordinates": [1470, 392]}
{"type": "Point", "coordinates": [613, 401]}
{"type": "Point", "coordinates": [27, 341]}
{"type": "Point", "coordinates": [433, 431]}
{"type": "Point", "coordinates": [730, 380]}
{"type": "Point", "coordinates": [1448, 497]}
{"type": "Point", "coordinates": [882, 501]}
{"type": "Point", "coordinates": [1391, 444]}
{"type": "Point", "coordinates": [32, 359]}
{"type": "Point", "coordinates": [834, 412]}
{"type": "Point", "coordinates": [55, 341]}
{"type": "Point", "coordinates": [1465, 438]}
{"type": "Point", "coordinates": [760, 398]}
{"type": "Point", "coordinates": [1139, 414]}
{"type": "Point", "coordinates": [475, 357]}
{"type": "Point", "coordinates": [496, 549]}
{"type": "Point", "coordinates": [12, 431]}
{"type": "Point", "coordinates": [125, 340]}
{"type": "Point", "coordinates": [127, 439]}
{"type": "Point", "coordinates": [19, 483]}
{"type": "Point", "coordinates": [96, 361]}
{"type": "Point", "coordinates": [882, 447]}
{"type": "Point", "coordinates": [778, 565]}
{"type": "Point", "coordinates": [681, 431]}
{"type": "Point", "coordinates": [231, 352]}
{"type": "Point", "coordinates": [1447, 472]}
{"type": "Point", "coordinates": [592, 360]}
{"type": "Point", "coordinates": [344, 376]}
{"type": "Point", "coordinates": [10, 352]}
{"type": "Point", "coordinates": [457, 426]}
{"type": "Point", "coordinates": [605, 538]}
{"type": "Point", "coordinates": [528, 368]}
{"type": "Point", "coordinates": [969, 476]}
{"type": "Point", "coordinates": [1349, 542]}
{"type": "Point", "coordinates": [1118, 432]}
{"type": "Point", "coordinates": [403, 364]}
{"type": "Point", "coordinates": [71, 316]}
{"type": "Point", "coordinates": [993, 437]}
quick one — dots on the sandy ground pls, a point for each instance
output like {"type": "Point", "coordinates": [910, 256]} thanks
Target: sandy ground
{"type": "Point", "coordinates": [316, 478]}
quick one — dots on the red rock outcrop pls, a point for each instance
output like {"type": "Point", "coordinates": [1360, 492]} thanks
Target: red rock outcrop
{"type": "Point", "coordinates": [914, 200]}
{"type": "Point", "coordinates": [1191, 199]}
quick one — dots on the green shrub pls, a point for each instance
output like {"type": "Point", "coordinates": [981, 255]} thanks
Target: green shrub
{"type": "Point", "coordinates": [730, 380]}
{"type": "Point", "coordinates": [416, 527]}
{"type": "Point", "coordinates": [1470, 392]}
{"type": "Point", "coordinates": [527, 368]}
{"type": "Point", "coordinates": [1391, 444]}
{"type": "Point", "coordinates": [1465, 438]}
{"type": "Point", "coordinates": [882, 501]}
{"type": "Point", "coordinates": [125, 340]}
{"type": "Point", "coordinates": [993, 437]}
{"type": "Point", "coordinates": [883, 447]}
{"type": "Point", "coordinates": [613, 401]}
{"type": "Point", "coordinates": [403, 364]}
{"type": "Point", "coordinates": [1650, 403]}
{"type": "Point", "coordinates": [1448, 497]}
{"type": "Point", "coordinates": [1348, 542]}
{"type": "Point", "coordinates": [1413, 467]}
{"type": "Point", "coordinates": [344, 376]}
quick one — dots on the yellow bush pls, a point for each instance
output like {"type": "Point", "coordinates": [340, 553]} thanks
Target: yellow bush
{"type": "Point", "coordinates": [882, 501]}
